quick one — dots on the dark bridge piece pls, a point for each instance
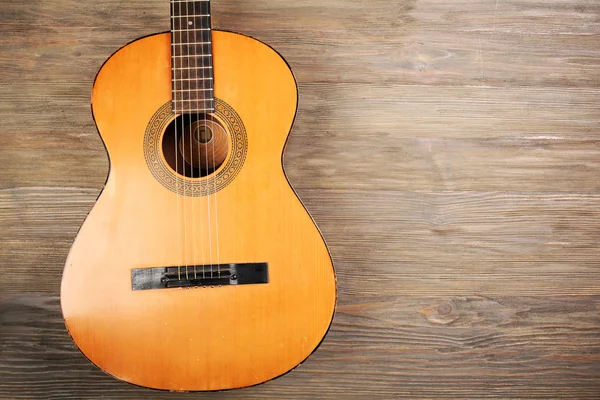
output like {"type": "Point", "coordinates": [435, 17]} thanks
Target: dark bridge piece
{"type": "Point", "coordinates": [199, 276]}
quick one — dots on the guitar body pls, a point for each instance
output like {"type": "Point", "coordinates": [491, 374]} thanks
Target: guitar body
{"type": "Point", "coordinates": [197, 338]}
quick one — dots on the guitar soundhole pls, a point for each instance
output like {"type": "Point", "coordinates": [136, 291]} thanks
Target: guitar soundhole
{"type": "Point", "coordinates": [181, 170]}
{"type": "Point", "coordinates": [195, 145]}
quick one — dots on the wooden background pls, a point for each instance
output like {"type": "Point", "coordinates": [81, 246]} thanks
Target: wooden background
{"type": "Point", "coordinates": [448, 149]}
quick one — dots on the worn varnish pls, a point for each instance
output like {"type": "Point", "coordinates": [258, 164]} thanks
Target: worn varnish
{"type": "Point", "coordinates": [448, 151]}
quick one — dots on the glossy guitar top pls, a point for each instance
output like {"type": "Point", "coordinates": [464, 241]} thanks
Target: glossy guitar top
{"type": "Point", "coordinates": [250, 292]}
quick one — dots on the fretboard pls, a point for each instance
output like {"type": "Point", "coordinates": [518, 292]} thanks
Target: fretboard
{"type": "Point", "coordinates": [191, 57]}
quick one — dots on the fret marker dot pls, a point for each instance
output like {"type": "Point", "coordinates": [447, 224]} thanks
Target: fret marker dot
{"type": "Point", "coordinates": [190, 23]}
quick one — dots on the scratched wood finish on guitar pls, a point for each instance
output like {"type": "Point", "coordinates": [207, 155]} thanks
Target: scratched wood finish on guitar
{"type": "Point", "coordinates": [457, 138]}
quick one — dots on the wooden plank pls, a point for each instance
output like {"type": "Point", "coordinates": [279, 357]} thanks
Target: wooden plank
{"type": "Point", "coordinates": [382, 242]}
{"type": "Point", "coordinates": [350, 109]}
{"type": "Point", "coordinates": [447, 149]}
{"type": "Point", "coordinates": [402, 138]}
{"type": "Point", "coordinates": [458, 42]}
{"type": "Point", "coordinates": [378, 347]}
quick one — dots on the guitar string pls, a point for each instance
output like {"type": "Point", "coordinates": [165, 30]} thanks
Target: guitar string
{"type": "Point", "coordinates": [213, 141]}
{"type": "Point", "coordinates": [175, 141]}
{"type": "Point", "coordinates": [193, 26]}
{"type": "Point", "coordinates": [182, 141]}
{"type": "Point", "coordinates": [180, 138]}
{"type": "Point", "coordinates": [206, 147]}
{"type": "Point", "coordinates": [190, 25]}
{"type": "Point", "coordinates": [213, 149]}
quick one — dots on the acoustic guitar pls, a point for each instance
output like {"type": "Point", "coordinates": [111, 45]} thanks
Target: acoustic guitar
{"type": "Point", "coordinates": [198, 268]}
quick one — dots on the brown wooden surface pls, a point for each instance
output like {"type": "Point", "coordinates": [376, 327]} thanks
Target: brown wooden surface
{"type": "Point", "coordinates": [449, 151]}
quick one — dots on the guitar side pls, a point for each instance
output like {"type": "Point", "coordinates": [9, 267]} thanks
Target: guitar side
{"type": "Point", "coordinates": [197, 338]}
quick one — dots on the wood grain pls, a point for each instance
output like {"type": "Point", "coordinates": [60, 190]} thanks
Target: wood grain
{"type": "Point", "coordinates": [389, 346]}
{"type": "Point", "coordinates": [448, 151]}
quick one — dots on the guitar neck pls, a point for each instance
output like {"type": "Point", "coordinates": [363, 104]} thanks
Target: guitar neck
{"type": "Point", "coordinates": [191, 54]}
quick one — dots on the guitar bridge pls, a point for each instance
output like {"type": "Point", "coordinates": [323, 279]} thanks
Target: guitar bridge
{"type": "Point", "coordinates": [199, 276]}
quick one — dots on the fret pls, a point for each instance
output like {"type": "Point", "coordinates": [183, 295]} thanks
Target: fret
{"type": "Point", "coordinates": [190, 68]}
{"type": "Point", "coordinates": [181, 33]}
{"type": "Point", "coordinates": [198, 75]}
{"type": "Point", "coordinates": [202, 35]}
{"type": "Point", "coordinates": [182, 49]}
{"type": "Point", "coordinates": [191, 84]}
{"type": "Point", "coordinates": [194, 107]}
{"type": "Point", "coordinates": [206, 100]}
{"type": "Point", "coordinates": [191, 90]}
{"type": "Point", "coordinates": [186, 56]}
{"type": "Point", "coordinates": [190, 30]}
{"type": "Point", "coordinates": [189, 43]}
{"type": "Point", "coordinates": [199, 95]}
{"type": "Point", "coordinates": [190, 8]}
{"type": "Point", "coordinates": [194, 73]}
{"type": "Point", "coordinates": [205, 67]}
{"type": "Point", "coordinates": [190, 16]}
{"type": "Point", "coordinates": [190, 22]}
{"type": "Point", "coordinates": [192, 55]}
{"type": "Point", "coordinates": [206, 103]}
{"type": "Point", "coordinates": [179, 64]}
{"type": "Point", "coordinates": [185, 49]}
